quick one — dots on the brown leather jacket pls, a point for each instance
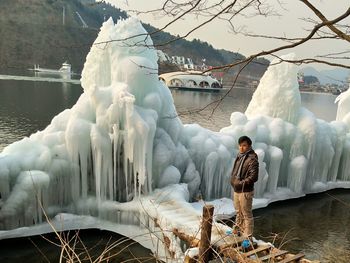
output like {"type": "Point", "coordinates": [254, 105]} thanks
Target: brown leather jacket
{"type": "Point", "coordinates": [249, 173]}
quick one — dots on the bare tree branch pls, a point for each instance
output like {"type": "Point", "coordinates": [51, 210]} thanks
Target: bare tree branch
{"type": "Point", "coordinates": [293, 45]}
{"type": "Point", "coordinates": [308, 61]}
{"type": "Point", "coordinates": [328, 23]}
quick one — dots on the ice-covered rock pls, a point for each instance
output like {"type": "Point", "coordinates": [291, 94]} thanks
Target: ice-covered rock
{"type": "Point", "coordinates": [278, 93]}
{"type": "Point", "coordinates": [122, 154]}
{"type": "Point", "coordinates": [121, 140]}
{"type": "Point", "coordinates": [343, 112]}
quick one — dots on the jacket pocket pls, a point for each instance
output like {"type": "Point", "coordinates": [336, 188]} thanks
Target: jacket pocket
{"type": "Point", "coordinates": [236, 184]}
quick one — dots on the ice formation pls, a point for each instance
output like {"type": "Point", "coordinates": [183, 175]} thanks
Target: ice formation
{"type": "Point", "coordinates": [121, 153]}
{"type": "Point", "coordinates": [274, 89]}
{"type": "Point", "coordinates": [343, 111]}
{"type": "Point", "coordinates": [121, 140]}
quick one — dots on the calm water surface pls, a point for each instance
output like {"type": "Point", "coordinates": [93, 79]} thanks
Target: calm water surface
{"type": "Point", "coordinates": [216, 114]}
{"type": "Point", "coordinates": [318, 225]}
{"type": "Point", "coordinates": [36, 249]}
{"type": "Point", "coordinates": [27, 106]}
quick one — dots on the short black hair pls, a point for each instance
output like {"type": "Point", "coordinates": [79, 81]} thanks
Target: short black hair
{"type": "Point", "coordinates": [245, 139]}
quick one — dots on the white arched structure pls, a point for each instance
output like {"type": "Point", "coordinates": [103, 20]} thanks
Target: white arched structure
{"type": "Point", "coordinates": [190, 80]}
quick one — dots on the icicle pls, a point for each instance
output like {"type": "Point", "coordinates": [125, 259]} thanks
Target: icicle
{"type": "Point", "coordinates": [275, 157]}
{"type": "Point", "coordinates": [297, 174]}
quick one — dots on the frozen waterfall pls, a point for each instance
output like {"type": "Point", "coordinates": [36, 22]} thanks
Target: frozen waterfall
{"type": "Point", "coordinates": [122, 142]}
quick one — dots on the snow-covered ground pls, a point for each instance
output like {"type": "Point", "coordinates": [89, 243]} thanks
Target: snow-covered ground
{"type": "Point", "coordinates": [121, 155]}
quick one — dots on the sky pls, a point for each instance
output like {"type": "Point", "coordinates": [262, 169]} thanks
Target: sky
{"type": "Point", "coordinates": [288, 22]}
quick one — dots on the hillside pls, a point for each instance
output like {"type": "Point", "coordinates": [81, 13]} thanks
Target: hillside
{"type": "Point", "coordinates": [35, 33]}
{"type": "Point", "coordinates": [333, 76]}
{"type": "Point", "coordinates": [32, 32]}
{"type": "Point", "coordinates": [197, 50]}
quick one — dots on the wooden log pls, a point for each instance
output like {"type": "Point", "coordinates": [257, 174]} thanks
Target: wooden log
{"type": "Point", "coordinates": [304, 260]}
{"type": "Point", "coordinates": [236, 255]}
{"type": "Point", "coordinates": [294, 258]}
{"type": "Point", "coordinates": [204, 245]}
{"type": "Point", "coordinates": [167, 243]}
{"type": "Point", "coordinates": [229, 241]}
{"type": "Point", "coordinates": [257, 250]}
{"type": "Point", "coordinates": [273, 255]}
{"type": "Point", "coordinates": [190, 240]}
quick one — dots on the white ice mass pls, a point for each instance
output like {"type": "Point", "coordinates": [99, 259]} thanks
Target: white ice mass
{"type": "Point", "coordinates": [122, 155]}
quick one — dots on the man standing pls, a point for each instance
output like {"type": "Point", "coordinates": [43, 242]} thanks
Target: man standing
{"type": "Point", "coordinates": [244, 174]}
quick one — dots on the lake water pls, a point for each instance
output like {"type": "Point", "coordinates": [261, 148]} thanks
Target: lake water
{"type": "Point", "coordinates": [29, 106]}
{"type": "Point", "coordinates": [209, 111]}
{"type": "Point", "coordinates": [318, 225]}
{"type": "Point", "coordinates": [37, 249]}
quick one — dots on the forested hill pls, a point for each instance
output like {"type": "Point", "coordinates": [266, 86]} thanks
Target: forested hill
{"type": "Point", "coordinates": [33, 32]}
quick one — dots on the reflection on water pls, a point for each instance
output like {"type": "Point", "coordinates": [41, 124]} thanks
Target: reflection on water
{"type": "Point", "coordinates": [26, 106]}
{"type": "Point", "coordinates": [36, 249]}
{"type": "Point", "coordinates": [318, 225]}
{"type": "Point", "coordinates": [63, 75]}
{"type": "Point", "coordinates": [216, 113]}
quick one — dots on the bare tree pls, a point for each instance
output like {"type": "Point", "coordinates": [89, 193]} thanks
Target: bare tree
{"type": "Point", "coordinates": [313, 30]}
{"type": "Point", "coordinates": [206, 11]}
{"type": "Point", "coordinates": [317, 29]}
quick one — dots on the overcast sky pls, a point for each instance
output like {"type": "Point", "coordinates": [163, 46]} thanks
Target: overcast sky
{"type": "Point", "coordinates": [289, 24]}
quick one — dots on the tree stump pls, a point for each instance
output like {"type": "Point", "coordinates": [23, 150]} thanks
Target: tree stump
{"type": "Point", "coordinates": [204, 245]}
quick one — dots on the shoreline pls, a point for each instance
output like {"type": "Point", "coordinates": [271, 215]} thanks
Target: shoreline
{"type": "Point", "coordinates": [41, 79]}
{"type": "Point", "coordinates": [301, 91]}
{"type": "Point", "coordinates": [109, 229]}
{"type": "Point", "coordinates": [67, 221]}
{"type": "Point", "coordinates": [37, 248]}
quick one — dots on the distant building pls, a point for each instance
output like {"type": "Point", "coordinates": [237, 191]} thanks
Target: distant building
{"type": "Point", "coordinates": [300, 77]}
{"type": "Point", "coordinates": [163, 57]}
{"type": "Point", "coordinates": [178, 60]}
{"type": "Point", "coordinates": [185, 63]}
{"type": "Point", "coordinates": [311, 80]}
{"type": "Point", "coordinates": [189, 64]}
{"type": "Point", "coordinates": [181, 61]}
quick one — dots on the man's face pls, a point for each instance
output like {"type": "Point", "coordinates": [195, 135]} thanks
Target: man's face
{"type": "Point", "coordinates": [243, 147]}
